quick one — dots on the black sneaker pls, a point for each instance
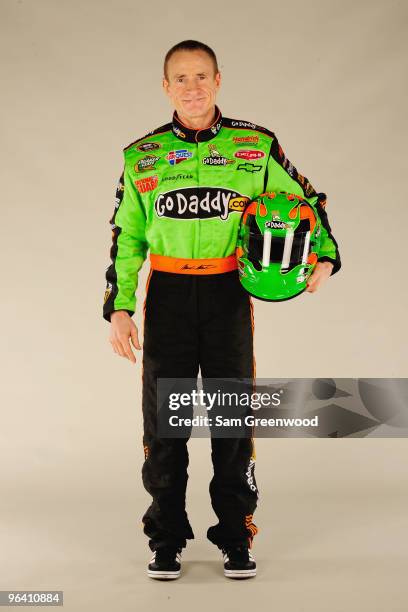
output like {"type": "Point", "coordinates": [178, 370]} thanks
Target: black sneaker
{"type": "Point", "coordinates": [238, 562]}
{"type": "Point", "coordinates": [165, 563]}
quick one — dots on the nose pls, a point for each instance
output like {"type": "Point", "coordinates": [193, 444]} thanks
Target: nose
{"type": "Point", "coordinates": [191, 86]}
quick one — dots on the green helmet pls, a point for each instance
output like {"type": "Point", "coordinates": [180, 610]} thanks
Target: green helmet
{"type": "Point", "coordinates": [278, 245]}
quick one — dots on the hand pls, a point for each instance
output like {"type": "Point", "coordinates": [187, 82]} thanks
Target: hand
{"type": "Point", "coordinates": [123, 328]}
{"type": "Point", "coordinates": [321, 273]}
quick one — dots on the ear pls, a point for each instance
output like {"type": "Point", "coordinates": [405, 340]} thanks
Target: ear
{"type": "Point", "coordinates": [218, 79]}
{"type": "Point", "coordinates": [165, 84]}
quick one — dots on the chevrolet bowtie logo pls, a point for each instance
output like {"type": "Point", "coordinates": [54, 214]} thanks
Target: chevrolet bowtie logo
{"type": "Point", "coordinates": [249, 167]}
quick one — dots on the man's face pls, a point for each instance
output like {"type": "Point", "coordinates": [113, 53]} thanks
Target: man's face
{"type": "Point", "coordinates": [192, 85]}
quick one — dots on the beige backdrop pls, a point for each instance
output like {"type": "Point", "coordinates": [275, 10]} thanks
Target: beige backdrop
{"type": "Point", "coordinates": [81, 79]}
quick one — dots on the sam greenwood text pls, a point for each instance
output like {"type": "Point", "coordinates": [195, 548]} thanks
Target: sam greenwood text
{"type": "Point", "coordinates": [249, 420]}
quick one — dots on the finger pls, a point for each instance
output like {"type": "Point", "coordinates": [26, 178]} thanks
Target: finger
{"type": "Point", "coordinates": [120, 348]}
{"type": "Point", "coordinates": [125, 345]}
{"type": "Point", "coordinates": [310, 282]}
{"type": "Point", "coordinates": [115, 350]}
{"type": "Point", "coordinates": [135, 338]}
{"type": "Point", "coordinates": [312, 285]}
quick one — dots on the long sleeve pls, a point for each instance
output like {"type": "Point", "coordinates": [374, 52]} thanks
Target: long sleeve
{"type": "Point", "coordinates": [128, 250]}
{"type": "Point", "coordinates": [281, 175]}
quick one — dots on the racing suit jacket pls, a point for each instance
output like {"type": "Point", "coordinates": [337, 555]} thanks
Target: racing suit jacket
{"type": "Point", "coordinates": [182, 193]}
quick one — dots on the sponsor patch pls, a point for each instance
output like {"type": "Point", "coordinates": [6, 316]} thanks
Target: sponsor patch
{"type": "Point", "coordinates": [244, 124]}
{"type": "Point", "coordinates": [108, 291]}
{"type": "Point", "coordinates": [178, 132]}
{"type": "Point", "coordinates": [146, 163]}
{"type": "Point", "coordinates": [251, 483]}
{"type": "Point", "coordinates": [147, 184]}
{"type": "Point", "coordinates": [177, 156]}
{"type": "Point", "coordinates": [199, 203]}
{"type": "Point", "coordinates": [148, 146]}
{"type": "Point", "coordinates": [246, 139]}
{"type": "Point", "coordinates": [216, 128]}
{"type": "Point", "coordinates": [249, 167]}
{"type": "Point", "coordinates": [276, 224]}
{"type": "Point", "coordinates": [249, 154]}
{"type": "Point", "coordinates": [215, 158]}
{"type": "Point", "coordinates": [289, 167]}
{"type": "Point", "coordinates": [178, 177]}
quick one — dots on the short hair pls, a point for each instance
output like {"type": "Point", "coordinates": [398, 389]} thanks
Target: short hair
{"type": "Point", "coordinates": [190, 45]}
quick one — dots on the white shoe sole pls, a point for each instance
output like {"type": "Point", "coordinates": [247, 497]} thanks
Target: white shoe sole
{"type": "Point", "coordinates": [164, 575]}
{"type": "Point", "coordinates": [240, 573]}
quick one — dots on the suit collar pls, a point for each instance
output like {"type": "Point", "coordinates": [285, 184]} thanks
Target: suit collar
{"type": "Point", "coordinates": [186, 134]}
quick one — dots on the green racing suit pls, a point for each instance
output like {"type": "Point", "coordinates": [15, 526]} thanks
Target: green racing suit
{"type": "Point", "coordinates": [181, 196]}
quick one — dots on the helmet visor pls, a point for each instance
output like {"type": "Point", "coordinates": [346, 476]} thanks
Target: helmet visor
{"type": "Point", "coordinates": [289, 249]}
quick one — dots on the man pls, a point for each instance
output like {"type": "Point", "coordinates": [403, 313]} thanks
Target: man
{"type": "Point", "coordinates": [181, 195]}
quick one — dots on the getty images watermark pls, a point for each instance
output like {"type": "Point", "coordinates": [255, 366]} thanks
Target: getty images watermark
{"type": "Point", "coordinates": [300, 407]}
{"type": "Point", "coordinates": [224, 399]}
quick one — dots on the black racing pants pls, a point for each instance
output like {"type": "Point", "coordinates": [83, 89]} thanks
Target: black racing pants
{"type": "Point", "coordinates": [191, 322]}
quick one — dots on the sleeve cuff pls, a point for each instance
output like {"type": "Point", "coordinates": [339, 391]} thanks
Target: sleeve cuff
{"type": "Point", "coordinates": [336, 263]}
{"type": "Point", "coordinates": [107, 314]}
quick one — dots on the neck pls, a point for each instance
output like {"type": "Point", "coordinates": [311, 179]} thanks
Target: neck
{"type": "Point", "coordinates": [198, 123]}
